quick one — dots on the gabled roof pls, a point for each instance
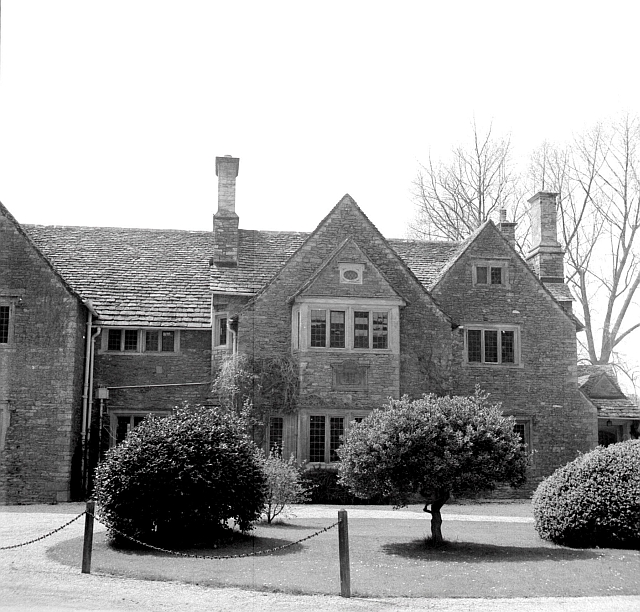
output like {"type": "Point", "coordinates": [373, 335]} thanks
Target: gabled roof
{"type": "Point", "coordinates": [559, 292]}
{"type": "Point", "coordinates": [347, 203]}
{"type": "Point", "coordinates": [21, 230]}
{"type": "Point", "coordinates": [133, 276]}
{"type": "Point", "coordinates": [599, 384]}
{"type": "Point", "coordinates": [151, 277]}
{"type": "Point", "coordinates": [310, 286]}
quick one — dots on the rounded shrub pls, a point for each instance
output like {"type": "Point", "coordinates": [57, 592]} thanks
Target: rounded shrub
{"type": "Point", "coordinates": [178, 480]}
{"type": "Point", "coordinates": [594, 500]}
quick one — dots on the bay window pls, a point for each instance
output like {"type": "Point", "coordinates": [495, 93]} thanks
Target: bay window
{"type": "Point", "coordinates": [349, 327]}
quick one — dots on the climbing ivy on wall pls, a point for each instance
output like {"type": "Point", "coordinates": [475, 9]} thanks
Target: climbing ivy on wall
{"type": "Point", "coordinates": [255, 387]}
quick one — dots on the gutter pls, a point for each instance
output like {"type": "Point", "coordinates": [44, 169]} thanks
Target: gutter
{"type": "Point", "coordinates": [87, 391]}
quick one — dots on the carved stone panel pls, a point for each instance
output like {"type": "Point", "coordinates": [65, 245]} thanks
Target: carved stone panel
{"type": "Point", "coordinates": [350, 375]}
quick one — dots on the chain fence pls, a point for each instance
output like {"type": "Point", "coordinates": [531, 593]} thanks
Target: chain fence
{"type": "Point", "coordinates": [46, 535]}
{"type": "Point", "coordinates": [195, 556]}
{"type": "Point", "coordinates": [166, 550]}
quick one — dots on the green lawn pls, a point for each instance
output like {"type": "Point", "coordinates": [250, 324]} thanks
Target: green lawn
{"type": "Point", "coordinates": [388, 558]}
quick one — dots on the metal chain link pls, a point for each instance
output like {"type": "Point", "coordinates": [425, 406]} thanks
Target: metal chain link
{"type": "Point", "coordinates": [192, 556]}
{"type": "Point", "coordinates": [46, 535]}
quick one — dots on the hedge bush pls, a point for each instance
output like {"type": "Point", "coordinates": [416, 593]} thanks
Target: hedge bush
{"type": "Point", "coordinates": [178, 480]}
{"type": "Point", "coordinates": [323, 488]}
{"type": "Point", "coordinates": [594, 500]}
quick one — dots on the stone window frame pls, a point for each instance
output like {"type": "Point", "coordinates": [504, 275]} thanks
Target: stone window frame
{"type": "Point", "coordinates": [141, 341]}
{"type": "Point", "coordinates": [10, 306]}
{"type": "Point", "coordinates": [517, 353]}
{"type": "Point", "coordinates": [330, 446]}
{"type": "Point", "coordinates": [275, 435]}
{"type": "Point", "coordinates": [132, 414]}
{"type": "Point", "coordinates": [218, 317]}
{"type": "Point", "coordinates": [489, 264]}
{"type": "Point", "coordinates": [301, 323]}
{"type": "Point", "coordinates": [526, 424]}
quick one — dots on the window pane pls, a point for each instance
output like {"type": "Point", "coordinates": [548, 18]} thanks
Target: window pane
{"type": "Point", "coordinates": [360, 329]}
{"type": "Point", "coordinates": [316, 438]}
{"type": "Point", "coordinates": [380, 330]}
{"type": "Point", "coordinates": [168, 340]}
{"type": "Point", "coordinates": [151, 340]}
{"type": "Point", "coordinates": [336, 331]}
{"type": "Point", "coordinates": [221, 331]}
{"type": "Point", "coordinates": [507, 342]}
{"type": "Point", "coordinates": [4, 324]}
{"type": "Point", "coordinates": [130, 339]}
{"type": "Point", "coordinates": [519, 428]}
{"type": "Point", "coordinates": [114, 339]}
{"type": "Point", "coordinates": [491, 346]}
{"type": "Point", "coordinates": [474, 345]}
{"type": "Point", "coordinates": [336, 431]}
{"type": "Point", "coordinates": [481, 275]}
{"type": "Point", "coordinates": [318, 328]}
{"type": "Point", "coordinates": [496, 276]}
{"type": "Point", "coordinates": [122, 428]}
{"type": "Point", "coordinates": [276, 433]}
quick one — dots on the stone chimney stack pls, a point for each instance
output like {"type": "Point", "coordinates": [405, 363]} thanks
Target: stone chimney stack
{"type": "Point", "coordinates": [225, 221]}
{"type": "Point", "coordinates": [508, 228]}
{"type": "Point", "coordinates": [546, 256]}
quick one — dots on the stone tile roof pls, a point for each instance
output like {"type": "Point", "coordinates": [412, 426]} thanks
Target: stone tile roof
{"type": "Point", "coordinates": [134, 277]}
{"type": "Point", "coordinates": [151, 277]}
{"type": "Point", "coordinates": [616, 409]}
{"type": "Point", "coordinates": [260, 257]}
{"type": "Point", "coordinates": [426, 259]}
{"type": "Point", "coordinates": [616, 404]}
{"type": "Point", "coordinates": [559, 291]}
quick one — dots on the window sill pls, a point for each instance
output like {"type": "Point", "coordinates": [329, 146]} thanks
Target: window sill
{"type": "Point", "coordinates": [320, 349]}
{"type": "Point", "coordinates": [139, 354]}
{"type": "Point", "coordinates": [505, 366]}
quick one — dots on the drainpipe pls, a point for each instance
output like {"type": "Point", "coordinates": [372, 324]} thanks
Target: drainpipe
{"type": "Point", "coordinates": [86, 394]}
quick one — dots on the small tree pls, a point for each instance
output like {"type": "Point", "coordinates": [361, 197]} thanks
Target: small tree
{"type": "Point", "coordinates": [434, 446]}
{"type": "Point", "coordinates": [284, 484]}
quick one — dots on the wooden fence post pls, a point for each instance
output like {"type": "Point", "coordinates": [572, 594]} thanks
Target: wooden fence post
{"type": "Point", "coordinates": [343, 550]}
{"type": "Point", "coordinates": [88, 537]}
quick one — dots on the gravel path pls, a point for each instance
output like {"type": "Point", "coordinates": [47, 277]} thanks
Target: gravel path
{"type": "Point", "coordinates": [30, 581]}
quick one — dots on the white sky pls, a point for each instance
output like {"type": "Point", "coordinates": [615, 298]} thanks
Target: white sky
{"type": "Point", "coordinates": [112, 113]}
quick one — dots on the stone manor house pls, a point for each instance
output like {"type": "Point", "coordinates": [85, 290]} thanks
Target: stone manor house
{"type": "Point", "coordinates": [101, 326]}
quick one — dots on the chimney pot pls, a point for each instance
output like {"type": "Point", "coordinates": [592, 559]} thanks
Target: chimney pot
{"type": "Point", "coordinates": [508, 228]}
{"type": "Point", "coordinates": [225, 220]}
{"type": "Point", "coordinates": [546, 256]}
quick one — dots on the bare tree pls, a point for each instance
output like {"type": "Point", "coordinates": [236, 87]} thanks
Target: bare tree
{"type": "Point", "coordinates": [453, 198]}
{"type": "Point", "coordinates": [597, 177]}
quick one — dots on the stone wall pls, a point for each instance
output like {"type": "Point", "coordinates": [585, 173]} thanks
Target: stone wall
{"type": "Point", "coordinates": [543, 387]}
{"type": "Point", "coordinates": [40, 376]}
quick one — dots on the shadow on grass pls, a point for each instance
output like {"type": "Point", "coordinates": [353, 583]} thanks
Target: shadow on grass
{"type": "Point", "coordinates": [474, 552]}
{"type": "Point", "coordinates": [241, 545]}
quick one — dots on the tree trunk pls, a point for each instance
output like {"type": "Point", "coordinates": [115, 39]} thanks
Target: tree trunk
{"type": "Point", "coordinates": [436, 499]}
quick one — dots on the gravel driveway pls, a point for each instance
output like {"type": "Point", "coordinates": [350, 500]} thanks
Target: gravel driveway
{"type": "Point", "coordinates": [30, 581]}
